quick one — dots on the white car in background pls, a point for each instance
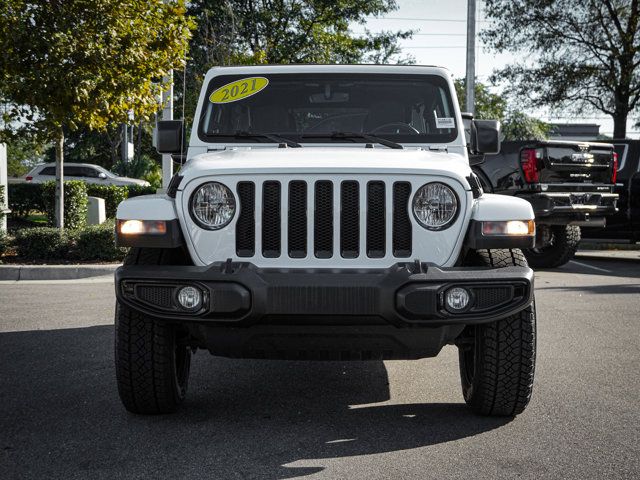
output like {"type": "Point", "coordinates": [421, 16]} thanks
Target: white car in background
{"type": "Point", "coordinates": [85, 172]}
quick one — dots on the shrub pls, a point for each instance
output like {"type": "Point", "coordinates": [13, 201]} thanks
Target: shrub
{"type": "Point", "coordinates": [97, 242]}
{"type": "Point", "coordinates": [4, 242]}
{"type": "Point", "coordinates": [137, 190]}
{"type": "Point", "coordinates": [25, 198]}
{"type": "Point", "coordinates": [1, 201]}
{"type": "Point", "coordinates": [42, 243]}
{"type": "Point", "coordinates": [75, 203]}
{"type": "Point", "coordinates": [112, 195]}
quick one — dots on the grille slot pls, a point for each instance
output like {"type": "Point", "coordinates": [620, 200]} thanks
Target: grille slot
{"type": "Point", "coordinates": [323, 220]}
{"type": "Point", "coordinates": [401, 221]}
{"type": "Point", "coordinates": [375, 220]}
{"type": "Point", "coordinates": [246, 226]}
{"type": "Point", "coordinates": [350, 219]}
{"type": "Point", "coordinates": [271, 221]}
{"type": "Point", "coordinates": [297, 234]}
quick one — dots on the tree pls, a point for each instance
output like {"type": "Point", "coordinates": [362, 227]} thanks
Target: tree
{"type": "Point", "coordinates": [578, 54]}
{"type": "Point", "coordinates": [235, 32]}
{"type": "Point", "coordinates": [516, 125]}
{"type": "Point", "coordinates": [66, 63]}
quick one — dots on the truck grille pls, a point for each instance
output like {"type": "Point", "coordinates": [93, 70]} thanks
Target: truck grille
{"type": "Point", "coordinates": [314, 226]}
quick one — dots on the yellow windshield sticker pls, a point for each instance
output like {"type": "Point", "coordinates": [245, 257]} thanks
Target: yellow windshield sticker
{"type": "Point", "coordinates": [238, 90]}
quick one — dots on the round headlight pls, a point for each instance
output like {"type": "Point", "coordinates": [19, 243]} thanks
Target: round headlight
{"type": "Point", "coordinates": [213, 206]}
{"type": "Point", "coordinates": [435, 206]}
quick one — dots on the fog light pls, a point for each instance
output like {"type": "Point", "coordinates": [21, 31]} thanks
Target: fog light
{"type": "Point", "coordinates": [457, 299]}
{"type": "Point", "coordinates": [190, 298]}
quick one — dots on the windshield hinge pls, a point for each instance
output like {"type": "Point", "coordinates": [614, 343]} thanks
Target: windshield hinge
{"type": "Point", "coordinates": [438, 148]}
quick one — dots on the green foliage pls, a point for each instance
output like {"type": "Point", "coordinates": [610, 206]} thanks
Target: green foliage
{"type": "Point", "coordinates": [137, 190]}
{"type": "Point", "coordinates": [516, 125]}
{"type": "Point", "coordinates": [97, 242]}
{"type": "Point", "coordinates": [75, 203]}
{"type": "Point", "coordinates": [89, 63]}
{"type": "Point", "coordinates": [520, 126]}
{"type": "Point", "coordinates": [586, 54]}
{"type": "Point", "coordinates": [23, 153]}
{"type": "Point", "coordinates": [2, 200]}
{"type": "Point", "coordinates": [144, 167]}
{"type": "Point", "coordinates": [42, 243]}
{"type": "Point", "coordinates": [4, 243]}
{"type": "Point", "coordinates": [112, 195]}
{"type": "Point", "coordinates": [90, 243]}
{"type": "Point", "coordinates": [488, 105]}
{"type": "Point", "coordinates": [25, 198]}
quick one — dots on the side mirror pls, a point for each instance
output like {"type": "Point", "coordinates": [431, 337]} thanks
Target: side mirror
{"type": "Point", "coordinates": [485, 137]}
{"type": "Point", "coordinates": [102, 175]}
{"type": "Point", "coordinates": [168, 136]}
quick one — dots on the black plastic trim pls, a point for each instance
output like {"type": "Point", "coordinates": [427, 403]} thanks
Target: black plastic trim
{"type": "Point", "coordinates": [401, 295]}
{"type": "Point", "coordinates": [174, 184]}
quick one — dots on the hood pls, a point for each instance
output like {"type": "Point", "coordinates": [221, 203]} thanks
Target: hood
{"type": "Point", "coordinates": [328, 161]}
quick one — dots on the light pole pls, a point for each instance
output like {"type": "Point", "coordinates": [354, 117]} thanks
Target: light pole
{"type": "Point", "coordinates": [471, 57]}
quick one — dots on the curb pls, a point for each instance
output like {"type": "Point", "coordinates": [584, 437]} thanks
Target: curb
{"type": "Point", "coordinates": [54, 272]}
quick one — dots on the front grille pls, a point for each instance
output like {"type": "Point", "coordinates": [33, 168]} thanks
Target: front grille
{"type": "Point", "coordinates": [349, 219]}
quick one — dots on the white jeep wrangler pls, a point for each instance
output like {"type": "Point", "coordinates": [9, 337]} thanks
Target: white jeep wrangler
{"type": "Point", "coordinates": [326, 212]}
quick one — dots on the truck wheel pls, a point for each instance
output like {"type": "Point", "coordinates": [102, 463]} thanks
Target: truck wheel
{"type": "Point", "coordinates": [152, 364]}
{"type": "Point", "coordinates": [497, 360]}
{"type": "Point", "coordinates": [561, 247]}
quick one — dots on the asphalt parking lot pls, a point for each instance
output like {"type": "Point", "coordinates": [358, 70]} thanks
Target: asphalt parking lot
{"type": "Point", "coordinates": [60, 416]}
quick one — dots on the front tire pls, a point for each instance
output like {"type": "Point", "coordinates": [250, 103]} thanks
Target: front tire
{"type": "Point", "coordinates": [561, 247]}
{"type": "Point", "coordinates": [497, 360]}
{"type": "Point", "coordinates": [152, 361]}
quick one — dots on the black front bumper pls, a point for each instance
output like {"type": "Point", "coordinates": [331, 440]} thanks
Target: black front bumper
{"type": "Point", "coordinates": [575, 208]}
{"type": "Point", "coordinates": [404, 295]}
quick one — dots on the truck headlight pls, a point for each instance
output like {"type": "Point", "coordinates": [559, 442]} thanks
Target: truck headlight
{"type": "Point", "coordinates": [435, 206]}
{"type": "Point", "coordinates": [212, 206]}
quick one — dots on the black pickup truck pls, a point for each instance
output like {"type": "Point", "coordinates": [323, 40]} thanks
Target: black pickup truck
{"type": "Point", "coordinates": [569, 184]}
{"type": "Point", "coordinates": [625, 224]}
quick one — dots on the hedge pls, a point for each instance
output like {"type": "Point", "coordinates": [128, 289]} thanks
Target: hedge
{"type": "Point", "coordinates": [42, 243]}
{"type": "Point", "coordinates": [25, 198]}
{"type": "Point", "coordinates": [4, 243]}
{"type": "Point", "coordinates": [137, 190]}
{"type": "Point", "coordinates": [95, 242]}
{"type": "Point", "coordinates": [1, 202]}
{"type": "Point", "coordinates": [75, 203]}
{"type": "Point", "coordinates": [112, 194]}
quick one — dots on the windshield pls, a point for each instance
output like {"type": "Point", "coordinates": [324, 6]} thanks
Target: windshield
{"type": "Point", "coordinates": [305, 107]}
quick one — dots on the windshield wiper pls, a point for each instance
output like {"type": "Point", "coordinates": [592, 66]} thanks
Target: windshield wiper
{"type": "Point", "coordinates": [274, 137]}
{"type": "Point", "coordinates": [350, 135]}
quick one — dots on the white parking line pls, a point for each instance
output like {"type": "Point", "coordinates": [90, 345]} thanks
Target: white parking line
{"type": "Point", "coordinates": [591, 266]}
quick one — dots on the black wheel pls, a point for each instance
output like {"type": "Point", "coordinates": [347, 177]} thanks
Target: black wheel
{"type": "Point", "coordinates": [560, 245]}
{"type": "Point", "coordinates": [497, 360]}
{"type": "Point", "coordinates": [151, 357]}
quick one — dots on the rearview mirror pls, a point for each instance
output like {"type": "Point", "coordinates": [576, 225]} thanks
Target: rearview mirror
{"type": "Point", "coordinates": [102, 175]}
{"type": "Point", "coordinates": [168, 136]}
{"type": "Point", "coordinates": [485, 137]}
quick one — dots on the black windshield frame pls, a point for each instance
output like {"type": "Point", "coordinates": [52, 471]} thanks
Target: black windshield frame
{"type": "Point", "coordinates": [434, 81]}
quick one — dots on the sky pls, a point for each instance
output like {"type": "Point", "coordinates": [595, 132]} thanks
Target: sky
{"type": "Point", "coordinates": [440, 39]}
